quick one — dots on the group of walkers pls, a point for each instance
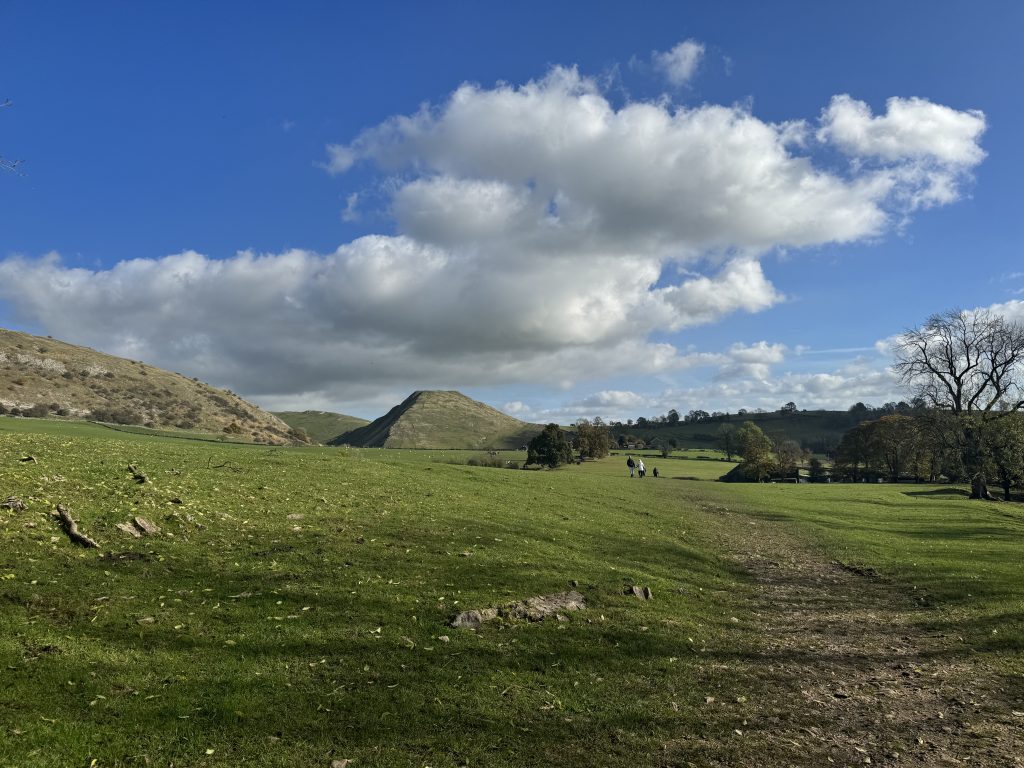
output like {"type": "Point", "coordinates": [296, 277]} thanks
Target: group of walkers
{"type": "Point", "coordinates": [638, 467]}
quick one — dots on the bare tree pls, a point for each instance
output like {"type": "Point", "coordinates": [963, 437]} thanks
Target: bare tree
{"type": "Point", "coordinates": [972, 365]}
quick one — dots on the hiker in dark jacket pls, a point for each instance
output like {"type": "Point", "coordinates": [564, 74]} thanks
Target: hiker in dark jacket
{"type": "Point", "coordinates": [631, 464]}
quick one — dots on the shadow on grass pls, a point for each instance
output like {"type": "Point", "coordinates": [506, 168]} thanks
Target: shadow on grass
{"type": "Point", "coordinates": [940, 492]}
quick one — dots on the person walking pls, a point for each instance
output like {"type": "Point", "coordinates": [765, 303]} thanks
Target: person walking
{"type": "Point", "coordinates": [631, 464]}
{"type": "Point", "coordinates": [640, 467]}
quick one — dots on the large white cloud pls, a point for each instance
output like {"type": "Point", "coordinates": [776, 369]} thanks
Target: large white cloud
{"type": "Point", "coordinates": [925, 149]}
{"type": "Point", "coordinates": [542, 234]}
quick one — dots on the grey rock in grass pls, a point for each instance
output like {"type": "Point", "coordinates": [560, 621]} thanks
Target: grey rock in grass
{"type": "Point", "coordinates": [130, 529]}
{"type": "Point", "coordinates": [14, 503]}
{"type": "Point", "coordinates": [532, 609]}
{"type": "Point", "coordinates": [145, 526]}
{"type": "Point", "coordinates": [537, 608]}
{"type": "Point", "coordinates": [644, 593]}
{"type": "Point", "coordinates": [473, 619]}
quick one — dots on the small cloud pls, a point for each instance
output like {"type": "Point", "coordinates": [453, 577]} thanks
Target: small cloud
{"type": "Point", "coordinates": [351, 213]}
{"type": "Point", "coordinates": [680, 64]}
{"type": "Point", "coordinates": [287, 125]}
{"type": "Point", "coordinates": [339, 159]}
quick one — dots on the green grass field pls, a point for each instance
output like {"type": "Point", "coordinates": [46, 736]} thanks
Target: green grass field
{"type": "Point", "coordinates": [294, 608]}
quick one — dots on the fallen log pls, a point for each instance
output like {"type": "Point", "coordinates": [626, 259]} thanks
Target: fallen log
{"type": "Point", "coordinates": [71, 529]}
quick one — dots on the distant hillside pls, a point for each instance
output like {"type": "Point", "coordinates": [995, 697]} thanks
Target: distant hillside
{"type": "Point", "coordinates": [321, 425]}
{"type": "Point", "coordinates": [45, 377]}
{"type": "Point", "coordinates": [819, 431]}
{"type": "Point", "coordinates": [441, 420]}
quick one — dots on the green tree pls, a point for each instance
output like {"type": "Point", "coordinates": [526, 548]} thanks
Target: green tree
{"type": "Point", "coordinates": [817, 469]}
{"type": "Point", "coordinates": [549, 448]}
{"type": "Point", "coordinates": [756, 449]}
{"type": "Point", "coordinates": [895, 442]}
{"type": "Point", "coordinates": [727, 440]}
{"type": "Point", "coordinates": [1006, 446]}
{"type": "Point", "coordinates": [593, 439]}
{"type": "Point", "coordinates": [790, 456]}
{"type": "Point", "coordinates": [853, 455]}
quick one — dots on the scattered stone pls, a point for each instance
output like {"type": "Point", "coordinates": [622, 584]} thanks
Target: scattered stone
{"type": "Point", "coordinates": [536, 608]}
{"type": "Point", "coordinates": [146, 620]}
{"type": "Point", "coordinates": [296, 516]}
{"type": "Point", "coordinates": [176, 500]}
{"type": "Point", "coordinates": [644, 593]}
{"type": "Point", "coordinates": [130, 529]}
{"type": "Point", "coordinates": [137, 476]}
{"type": "Point", "coordinates": [473, 619]}
{"type": "Point", "coordinates": [15, 504]}
{"type": "Point", "coordinates": [532, 609]}
{"type": "Point", "coordinates": [71, 528]}
{"type": "Point", "coordinates": [24, 459]}
{"type": "Point", "coordinates": [341, 763]}
{"type": "Point", "coordinates": [467, 553]}
{"type": "Point", "coordinates": [145, 526]}
{"type": "Point", "coordinates": [574, 583]}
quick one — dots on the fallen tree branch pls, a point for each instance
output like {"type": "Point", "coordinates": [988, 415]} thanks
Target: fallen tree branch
{"type": "Point", "coordinates": [71, 528]}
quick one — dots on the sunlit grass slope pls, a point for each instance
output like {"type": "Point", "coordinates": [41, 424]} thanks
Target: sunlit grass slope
{"type": "Point", "coordinates": [277, 640]}
{"type": "Point", "coordinates": [321, 425]}
{"type": "Point", "coordinates": [294, 608]}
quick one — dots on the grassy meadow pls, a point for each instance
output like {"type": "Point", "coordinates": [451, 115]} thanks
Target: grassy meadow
{"type": "Point", "coordinates": [294, 608]}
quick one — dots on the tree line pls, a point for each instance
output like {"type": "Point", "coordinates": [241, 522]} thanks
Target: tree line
{"type": "Point", "coordinates": [964, 423]}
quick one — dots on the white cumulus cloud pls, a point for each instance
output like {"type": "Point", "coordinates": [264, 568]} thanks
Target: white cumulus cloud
{"type": "Point", "coordinates": [541, 233]}
{"type": "Point", "coordinates": [679, 65]}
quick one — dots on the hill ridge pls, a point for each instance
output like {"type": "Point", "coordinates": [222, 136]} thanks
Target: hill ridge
{"type": "Point", "coordinates": [43, 376]}
{"type": "Point", "coordinates": [440, 419]}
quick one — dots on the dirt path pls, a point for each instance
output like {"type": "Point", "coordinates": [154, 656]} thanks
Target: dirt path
{"type": "Point", "coordinates": [845, 676]}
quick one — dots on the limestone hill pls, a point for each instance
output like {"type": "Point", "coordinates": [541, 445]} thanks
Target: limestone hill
{"type": "Point", "coordinates": [45, 377]}
{"type": "Point", "coordinates": [441, 419]}
{"type": "Point", "coordinates": [321, 426]}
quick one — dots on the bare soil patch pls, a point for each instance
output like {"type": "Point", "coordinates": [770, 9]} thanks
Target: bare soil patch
{"type": "Point", "coordinates": [845, 675]}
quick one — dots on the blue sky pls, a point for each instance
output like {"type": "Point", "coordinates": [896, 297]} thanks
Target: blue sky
{"type": "Point", "coordinates": [561, 209]}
